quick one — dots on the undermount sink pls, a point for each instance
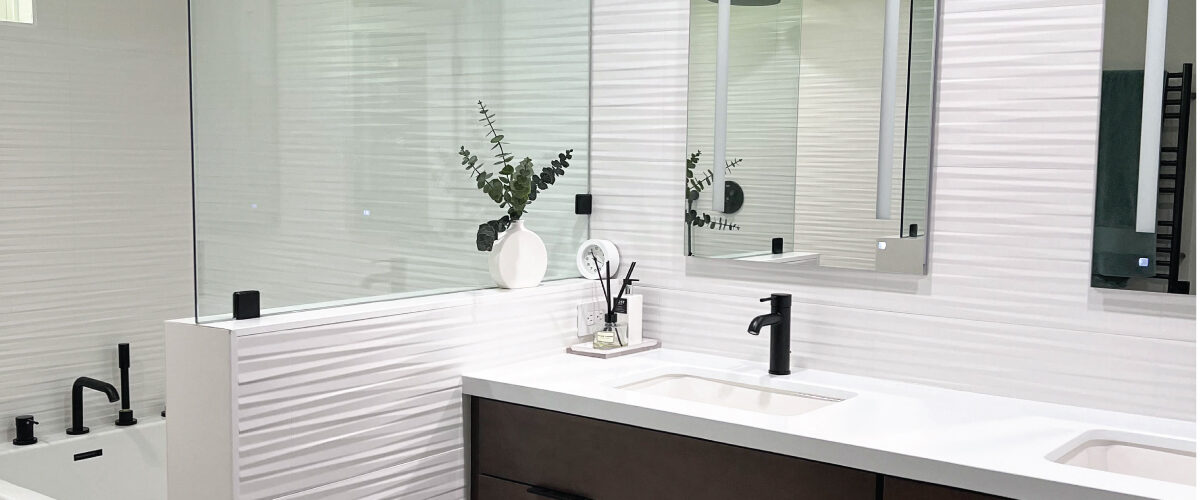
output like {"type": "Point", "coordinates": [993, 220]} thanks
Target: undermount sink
{"type": "Point", "coordinates": [761, 399]}
{"type": "Point", "coordinates": [1151, 457]}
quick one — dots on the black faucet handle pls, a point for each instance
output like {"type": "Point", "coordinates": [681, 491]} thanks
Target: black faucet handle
{"type": "Point", "coordinates": [25, 435]}
{"type": "Point", "coordinates": [778, 300]}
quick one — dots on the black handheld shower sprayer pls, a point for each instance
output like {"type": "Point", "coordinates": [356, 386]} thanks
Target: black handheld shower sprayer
{"type": "Point", "coordinates": [125, 416]}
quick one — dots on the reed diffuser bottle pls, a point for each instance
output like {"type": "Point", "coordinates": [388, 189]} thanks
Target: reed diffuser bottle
{"type": "Point", "coordinates": [614, 333]}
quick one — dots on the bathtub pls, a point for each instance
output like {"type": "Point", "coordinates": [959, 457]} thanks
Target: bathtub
{"type": "Point", "coordinates": [110, 463]}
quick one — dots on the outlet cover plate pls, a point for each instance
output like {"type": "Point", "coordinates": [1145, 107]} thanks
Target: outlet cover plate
{"type": "Point", "coordinates": [589, 316]}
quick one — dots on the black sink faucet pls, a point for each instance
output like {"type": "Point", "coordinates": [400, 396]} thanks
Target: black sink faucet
{"type": "Point", "coordinates": [780, 321]}
{"type": "Point", "coordinates": [77, 401]}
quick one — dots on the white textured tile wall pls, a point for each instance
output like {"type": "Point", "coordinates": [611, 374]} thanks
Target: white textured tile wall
{"type": "Point", "coordinates": [95, 219]}
{"type": "Point", "coordinates": [373, 407]}
{"type": "Point", "coordinates": [1006, 308]}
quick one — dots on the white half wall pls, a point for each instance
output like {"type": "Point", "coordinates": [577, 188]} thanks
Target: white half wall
{"type": "Point", "coordinates": [349, 402]}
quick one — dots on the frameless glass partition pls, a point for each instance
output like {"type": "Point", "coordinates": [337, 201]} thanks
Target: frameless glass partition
{"type": "Point", "coordinates": [327, 138]}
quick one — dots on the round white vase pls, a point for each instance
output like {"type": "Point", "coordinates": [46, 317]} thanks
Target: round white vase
{"type": "Point", "coordinates": [518, 258]}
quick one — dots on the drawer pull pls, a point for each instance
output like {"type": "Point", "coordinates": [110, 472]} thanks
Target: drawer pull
{"type": "Point", "coordinates": [549, 493]}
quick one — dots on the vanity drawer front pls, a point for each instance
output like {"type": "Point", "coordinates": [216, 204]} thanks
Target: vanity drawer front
{"type": "Point", "coordinates": [607, 461]}
{"type": "Point", "coordinates": [895, 488]}
{"type": "Point", "coordinates": [490, 488]}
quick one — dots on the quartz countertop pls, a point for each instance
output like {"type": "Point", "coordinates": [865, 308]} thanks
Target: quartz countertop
{"type": "Point", "coordinates": [984, 443]}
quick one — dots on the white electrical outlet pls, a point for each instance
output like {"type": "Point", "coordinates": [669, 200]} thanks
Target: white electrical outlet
{"type": "Point", "coordinates": [589, 315]}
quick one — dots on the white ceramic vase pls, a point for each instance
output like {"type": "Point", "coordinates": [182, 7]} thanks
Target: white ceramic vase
{"type": "Point", "coordinates": [518, 258]}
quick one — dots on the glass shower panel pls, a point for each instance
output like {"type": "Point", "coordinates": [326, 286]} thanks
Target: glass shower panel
{"type": "Point", "coordinates": [326, 137]}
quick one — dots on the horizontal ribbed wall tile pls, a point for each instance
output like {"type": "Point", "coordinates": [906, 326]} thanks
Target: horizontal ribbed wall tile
{"type": "Point", "coordinates": [1117, 372]}
{"type": "Point", "coordinates": [1011, 221]}
{"type": "Point", "coordinates": [439, 477]}
{"type": "Point", "coordinates": [330, 407]}
{"type": "Point", "coordinates": [95, 220]}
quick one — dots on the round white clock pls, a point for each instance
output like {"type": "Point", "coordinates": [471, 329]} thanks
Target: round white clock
{"type": "Point", "coordinates": [592, 252]}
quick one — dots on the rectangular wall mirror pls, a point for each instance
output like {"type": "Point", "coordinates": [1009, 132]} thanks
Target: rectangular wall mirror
{"type": "Point", "coordinates": [811, 122]}
{"type": "Point", "coordinates": [1144, 233]}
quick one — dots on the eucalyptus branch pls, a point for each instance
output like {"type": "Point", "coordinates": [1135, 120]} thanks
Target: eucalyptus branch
{"type": "Point", "coordinates": [692, 161]}
{"type": "Point", "coordinates": [549, 174]}
{"type": "Point", "coordinates": [701, 219]}
{"type": "Point", "coordinates": [513, 187]}
{"type": "Point", "coordinates": [472, 163]}
{"type": "Point", "coordinates": [692, 189]}
{"type": "Point", "coordinates": [707, 180]}
{"type": "Point", "coordinates": [494, 136]}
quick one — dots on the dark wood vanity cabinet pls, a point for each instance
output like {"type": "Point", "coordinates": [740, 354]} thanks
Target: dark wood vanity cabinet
{"type": "Point", "coordinates": [491, 488]}
{"type": "Point", "coordinates": [519, 452]}
{"type": "Point", "coordinates": [895, 488]}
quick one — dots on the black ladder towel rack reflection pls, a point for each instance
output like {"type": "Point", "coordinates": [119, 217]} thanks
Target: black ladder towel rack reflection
{"type": "Point", "coordinates": [1177, 107]}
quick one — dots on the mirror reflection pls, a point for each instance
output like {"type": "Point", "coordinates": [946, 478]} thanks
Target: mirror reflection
{"type": "Point", "coordinates": [819, 115]}
{"type": "Point", "coordinates": [1144, 219]}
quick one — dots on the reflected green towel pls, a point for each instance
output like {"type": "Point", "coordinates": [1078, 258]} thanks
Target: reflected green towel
{"type": "Point", "coordinates": [1117, 248]}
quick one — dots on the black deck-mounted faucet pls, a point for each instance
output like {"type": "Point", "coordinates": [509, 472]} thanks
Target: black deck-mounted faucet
{"type": "Point", "coordinates": [780, 321]}
{"type": "Point", "coordinates": [77, 401]}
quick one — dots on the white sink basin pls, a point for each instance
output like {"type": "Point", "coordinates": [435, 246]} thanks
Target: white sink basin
{"type": "Point", "coordinates": [1151, 457]}
{"type": "Point", "coordinates": [742, 396]}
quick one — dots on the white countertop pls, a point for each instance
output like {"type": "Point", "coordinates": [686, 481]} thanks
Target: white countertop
{"type": "Point", "coordinates": [984, 443]}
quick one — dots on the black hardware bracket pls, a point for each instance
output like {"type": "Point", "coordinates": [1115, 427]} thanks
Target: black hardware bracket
{"type": "Point", "coordinates": [583, 204]}
{"type": "Point", "coordinates": [245, 304]}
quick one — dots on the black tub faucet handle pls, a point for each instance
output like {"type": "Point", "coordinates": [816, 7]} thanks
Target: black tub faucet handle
{"type": "Point", "coordinates": [25, 435]}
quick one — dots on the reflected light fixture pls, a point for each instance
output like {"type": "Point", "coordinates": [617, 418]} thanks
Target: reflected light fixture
{"type": "Point", "coordinates": [1152, 97]}
{"type": "Point", "coordinates": [720, 111]}
{"type": "Point", "coordinates": [887, 111]}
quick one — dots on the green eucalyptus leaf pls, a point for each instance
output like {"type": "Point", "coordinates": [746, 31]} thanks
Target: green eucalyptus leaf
{"type": "Point", "coordinates": [485, 237]}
